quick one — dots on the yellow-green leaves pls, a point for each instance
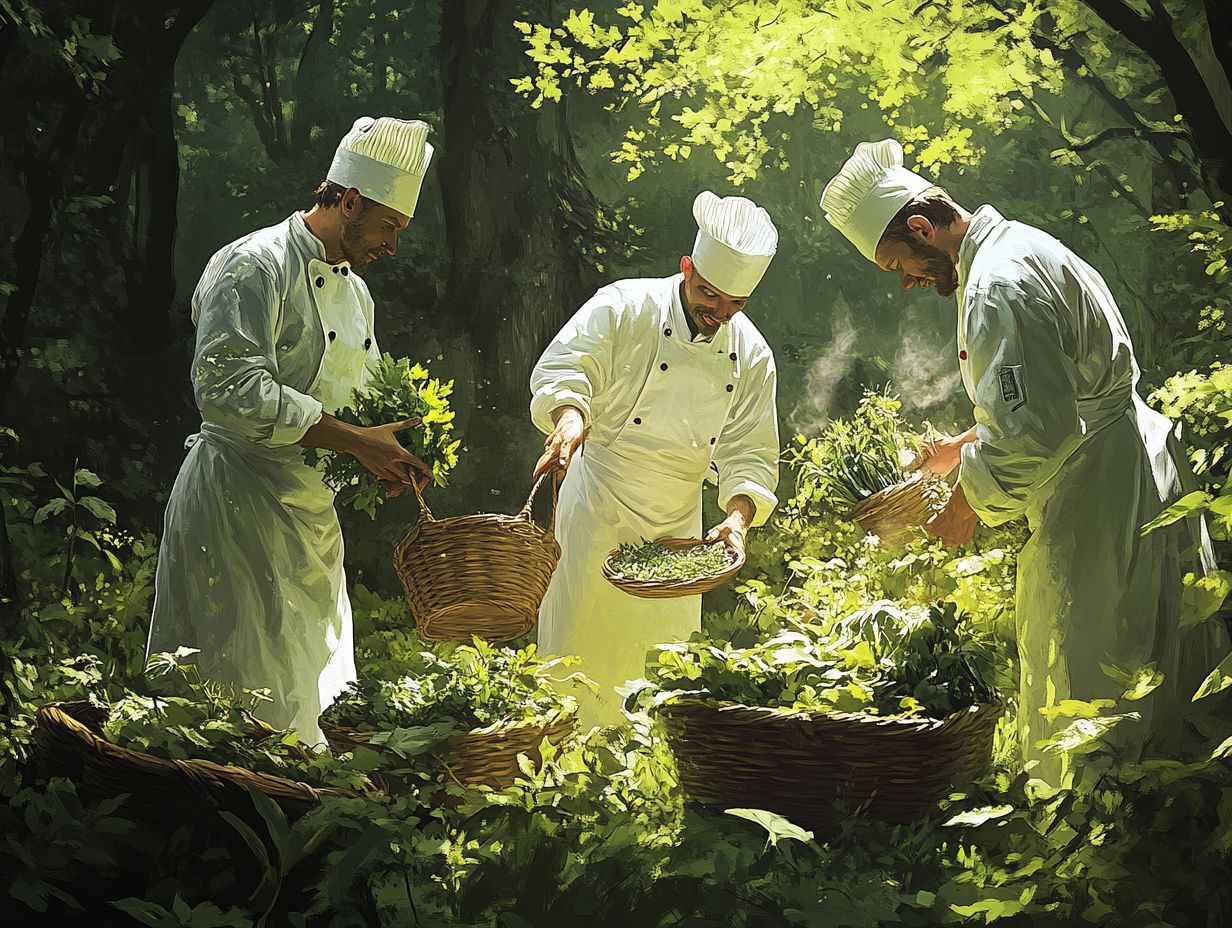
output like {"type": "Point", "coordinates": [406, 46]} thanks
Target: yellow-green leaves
{"type": "Point", "coordinates": [729, 69]}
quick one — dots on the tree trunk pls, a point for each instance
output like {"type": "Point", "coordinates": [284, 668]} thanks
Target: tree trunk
{"type": "Point", "coordinates": [510, 184]}
{"type": "Point", "coordinates": [1156, 37]}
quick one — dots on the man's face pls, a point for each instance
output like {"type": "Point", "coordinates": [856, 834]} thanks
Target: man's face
{"type": "Point", "coordinates": [369, 230]}
{"type": "Point", "coordinates": [919, 264]}
{"type": "Point", "coordinates": [706, 305]}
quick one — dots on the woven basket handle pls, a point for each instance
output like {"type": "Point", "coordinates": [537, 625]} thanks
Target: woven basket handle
{"type": "Point", "coordinates": [424, 512]}
{"type": "Point", "coordinates": [530, 501]}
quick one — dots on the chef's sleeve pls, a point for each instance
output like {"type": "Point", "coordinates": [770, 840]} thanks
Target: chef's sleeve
{"type": "Point", "coordinates": [235, 364]}
{"type": "Point", "coordinates": [747, 450]}
{"type": "Point", "coordinates": [577, 364]}
{"type": "Point", "coordinates": [1026, 409]}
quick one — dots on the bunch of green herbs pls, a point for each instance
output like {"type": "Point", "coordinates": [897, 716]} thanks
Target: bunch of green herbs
{"type": "Point", "coordinates": [397, 390]}
{"type": "Point", "coordinates": [652, 560]}
{"type": "Point", "coordinates": [854, 458]}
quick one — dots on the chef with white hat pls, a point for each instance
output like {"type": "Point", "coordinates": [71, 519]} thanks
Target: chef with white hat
{"type": "Point", "coordinates": [653, 386]}
{"type": "Point", "coordinates": [1061, 437]}
{"type": "Point", "coordinates": [250, 567]}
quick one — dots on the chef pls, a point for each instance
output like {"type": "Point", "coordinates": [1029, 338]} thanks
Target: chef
{"type": "Point", "coordinates": [1061, 437]}
{"type": "Point", "coordinates": [653, 386]}
{"type": "Point", "coordinates": [250, 566]}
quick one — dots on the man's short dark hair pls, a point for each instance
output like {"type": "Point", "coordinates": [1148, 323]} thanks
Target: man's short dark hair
{"type": "Point", "coordinates": [328, 195]}
{"type": "Point", "coordinates": [934, 204]}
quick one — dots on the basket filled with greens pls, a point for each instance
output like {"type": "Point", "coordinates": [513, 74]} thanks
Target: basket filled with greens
{"type": "Point", "coordinates": [671, 567]}
{"type": "Point", "coordinates": [396, 391]}
{"type": "Point", "coordinates": [464, 716]}
{"type": "Point", "coordinates": [856, 465]}
{"type": "Point", "coordinates": [481, 575]}
{"type": "Point", "coordinates": [877, 714]}
{"type": "Point", "coordinates": [184, 744]}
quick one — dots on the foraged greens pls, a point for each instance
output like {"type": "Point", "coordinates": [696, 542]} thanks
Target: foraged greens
{"type": "Point", "coordinates": [398, 390]}
{"type": "Point", "coordinates": [653, 560]}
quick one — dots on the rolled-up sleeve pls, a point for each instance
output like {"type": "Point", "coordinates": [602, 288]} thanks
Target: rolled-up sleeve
{"type": "Point", "coordinates": [747, 452]}
{"type": "Point", "coordinates": [1026, 407]}
{"type": "Point", "coordinates": [577, 364]}
{"type": "Point", "coordinates": [235, 367]}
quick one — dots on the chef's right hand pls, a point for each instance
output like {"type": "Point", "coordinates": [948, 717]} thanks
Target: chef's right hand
{"type": "Point", "coordinates": [564, 442]}
{"type": "Point", "coordinates": [941, 455]}
{"type": "Point", "coordinates": [378, 450]}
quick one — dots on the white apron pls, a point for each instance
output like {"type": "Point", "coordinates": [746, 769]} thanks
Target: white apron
{"type": "Point", "coordinates": [645, 484]}
{"type": "Point", "coordinates": [1091, 590]}
{"type": "Point", "coordinates": [251, 560]}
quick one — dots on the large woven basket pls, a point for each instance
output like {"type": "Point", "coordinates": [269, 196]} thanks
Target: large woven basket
{"type": "Point", "coordinates": [894, 513]}
{"type": "Point", "coordinates": [67, 743]}
{"type": "Point", "coordinates": [670, 589]}
{"type": "Point", "coordinates": [483, 575]}
{"type": "Point", "coordinates": [817, 770]}
{"type": "Point", "coordinates": [479, 757]}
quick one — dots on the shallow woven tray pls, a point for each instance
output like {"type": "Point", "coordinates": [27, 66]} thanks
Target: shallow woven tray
{"type": "Point", "coordinates": [479, 757]}
{"type": "Point", "coordinates": [670, 589]}
{"type": "Point", "coordinates": [818, 770]}
{"type": "Point", "coordinates": [894, 513]}
{"type": "Point", "coordinates": [67, 744]}
{"type": "Point", "coordinates": [483, 575]}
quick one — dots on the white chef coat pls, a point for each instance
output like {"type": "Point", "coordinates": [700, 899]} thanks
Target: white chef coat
{"type": "Point", "coordinates": [250, 565]}
{"type": "Point", "coordinates": [661, 409]}
{"type": "Point", "coordinates": [1065, 440]}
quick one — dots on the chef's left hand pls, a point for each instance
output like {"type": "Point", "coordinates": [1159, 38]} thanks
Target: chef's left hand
{"type": "Point", "coordinates": [731, 531]}
{"type": "Point", "coordinates": [955, 524]}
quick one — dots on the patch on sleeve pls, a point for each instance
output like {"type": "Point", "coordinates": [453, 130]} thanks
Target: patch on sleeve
{"type": "Point", "coordinates": [1012, 390]}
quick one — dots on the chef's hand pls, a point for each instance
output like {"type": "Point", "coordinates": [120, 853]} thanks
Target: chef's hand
{"type": "Point", "coordinates": [942, 455]}
{"type": "Point", "coordinates": [378, 450]}
{"type": "Point", "coordinates": [955, 524]}
{"type": "Point", "coordinates": [735, 527]}
{"type": "Point", "coordinates": [564, 442]}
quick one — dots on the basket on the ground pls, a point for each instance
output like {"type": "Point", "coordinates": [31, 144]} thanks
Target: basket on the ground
{"type": "Point", "coordinates": [482, 574]}
{"type": "Point", "coordinates": [67, 743]}
{"type": "Point", "coordinates": [818, 769]}
{"type": "Point", "coordinates": [894, 513]}
{"type": "Point", "coordinates": [480, 757]}
{"type": "Point", "coordinates": [669, 589]}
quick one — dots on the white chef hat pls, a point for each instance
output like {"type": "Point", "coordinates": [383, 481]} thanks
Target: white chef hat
{"type": "Point", "coordinates": [868, 191]}
{"type": "Point", "coordinates": [735, 242]}
{"type": "Point", "coordinates": [385, 159]}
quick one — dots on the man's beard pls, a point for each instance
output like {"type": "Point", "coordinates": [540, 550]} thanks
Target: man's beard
{"type": "Point", "coordinates": [356, 256]}
{"type": "Point", "coordinates": [939, 269]}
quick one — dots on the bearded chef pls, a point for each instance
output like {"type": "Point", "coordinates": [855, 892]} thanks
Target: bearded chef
{"type": "Point", "coordinates": [652, 387]}
{"type": "Point", "coordinates": [250, 568]}
{"type": "Point", "coordinates": [1061, 437]}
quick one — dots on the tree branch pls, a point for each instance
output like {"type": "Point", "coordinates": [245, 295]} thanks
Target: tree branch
{"type": "Point", "coordinates": [1219, 24]}
{"type": "Point", "coordinates": [1116, 132]}
{"type": "Point", "coordinates": [1157, 39]}
{"type": "Point", "coordinates": [1166, 145]}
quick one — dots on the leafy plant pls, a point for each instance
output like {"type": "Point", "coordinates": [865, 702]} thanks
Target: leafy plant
{"type": "Point", "coordinates": [881, 660]}
{"type": "Point", "coordinates": [464, 688]}
{"type": "Point", "coordinates": [71, 505]}
{"type": "Point", "coordinates": [398, 390]}
{"type": "Point", "coordinates": [854, 458]}
{"type": "Point", "coordinates": [182, 716]}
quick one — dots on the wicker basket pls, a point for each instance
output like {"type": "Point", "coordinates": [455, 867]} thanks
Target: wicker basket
{"type": "Point", "coordinates": [483, 575]}
{"type": "Point", "coordinates": [67, 743]}
{"type": "Point", "coordinates": [479, 757]}
{"type": "Point", "coordinates": [894, 513]}
{"type": "Point", "coordinates": [819, 769]}
{"type": "Point", "coordinates": [669, 589]}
